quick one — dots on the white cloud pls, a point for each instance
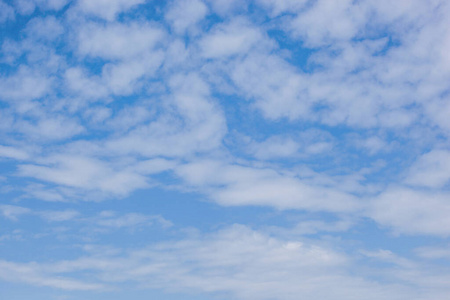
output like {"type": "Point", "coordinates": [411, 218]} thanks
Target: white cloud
{"type": "Point", "coordinates": [112, 41]}
{"type": "Point", "coordinates": [12, 212]}
{"type": "Point", "coordinates": [234, 38]}
{"type": "Point", "coordinates": [27, 7]}
{"type": "Point", "coordinates": [88, 86]}
{"type": "Point", "coordinates": [274, 84]}
{"type": "Point", "coordinates": [6, 12]}
{"type": "Point", "coordinates": [390, 257]}
{"type": "Point", "coordinates": [53, 128]}
{"type": "Point", "coordinates": [58, 216]}
{"type": "Point", "coordinates": [237, 185]}
{"type": "Point", "coordinates": [13, 152]}
{"type": "Point", "coordinates": [236, 261]}
{"type": "Point", "coordinates": [309, 227]}
{"type": "Point", "coordinates": [430, 170]}
{"type": "Point", "coordinates": [371, 144]}
{"type": "Point", "coordinates": [277, 7]}
{"type": "Point", "coordinates": [110, 220]}
{"type": "Point", "coordinates": [42, 192]}
{"type": "Point", "coordinates": [377, 72]}
{"type": "Point", "coordinates": [131, 116]}
{"type": "Point", "coordinates": [184, 14]}
{"type": "Point", "coordinates": [123, 78]}
{"type": "Point", "coordinates": [433, 252]}
{"type": "Point", "coordinates": [192, 122]}
{"type": "Point", "coordinates": [227, 7]}
{"type": "Point", "coordinates": [87, 174]}
{"type": "Point", "coordinates": [48, 28]}
{"type": "Point", "coordinates": [275, 147]}
{"type": "Point", "coordinates": [107, 9]}
{"type": "Point", "coordinates": [328, 21]}
{"type": "Point", "coordinates": [365, 83]}
{"type": "Point", "coordinates": [30, 273]}
{"type": "Point", "coordinates": [409, 211]}
{"type": "Point", "coordinates": [305, 143]}
{"type": "Point", "coordinates": [127, 65]}
{"type": "Point", "coordinates": [25, 84]}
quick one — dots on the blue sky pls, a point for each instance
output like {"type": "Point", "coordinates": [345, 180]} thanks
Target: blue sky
{"type": "Point", "coordinates": [201, 149]}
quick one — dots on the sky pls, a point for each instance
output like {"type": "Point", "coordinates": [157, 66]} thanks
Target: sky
{"type": "Point", "coordinates": [224, 149]}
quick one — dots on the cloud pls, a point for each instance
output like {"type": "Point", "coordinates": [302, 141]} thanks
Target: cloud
{"type": "Point", "coordinates": [238, 185]}
{"type": "Point", "coordinates": [6, 12]}
{"type": "Point", "coordinates": [106, 9]}
{"type": "Point", "coordinates": [235, 38]}
{"type": "Point", "coordinates": [184, 14]}
{"type": "Point", "coordinates": [430, 170]}
{"type": "Point", "coordinates": [112, 41]}
{"type": "Point", "coordinates": [12, 212]}
{"type": "Point", "coordinates": [277, 7]}
{"type": "Point", "coordinates": [55, 127]}
{"type": "Point", "coordinates": [275, 147]}
{"type": "Point", "coordinates": [335, 111]}
{"type": "Point", "coordinates": [109, 219]}
{"type": "Point", "coordinates": [433, 252]}
{"type": "Point", "coordinates": [328, 21]}
{"type": "Point", "coordinates": [409, 211]}
{"type": "Point", "coordinates": [84, 173]}
{"type": "Point", "coordinates": [227, 7]}
{"type": "Point", "coordinates": [48, 28]}
{"type": "Point", "coordinates": [124, 66]}
{"type": "Point", "coordinates": [26, 84]}
{"type": "Point", "coordinates": [58, 216]}
{"type": "Point", "coordinates": [302, 144]}
{"type": "Point", "coordinates": [13, 152]}
{"type": "Point", "coordinates": [28, 273]}
{"type": "Point", "coordinates": [27, 7]}
{"type": "Point", "coordinates": [191, 123]}
{"type": "Point", "coordinates": [235, 261]}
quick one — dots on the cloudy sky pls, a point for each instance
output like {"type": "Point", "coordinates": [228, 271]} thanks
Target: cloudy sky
{"type": "Point", "coordinates": [224, 149]}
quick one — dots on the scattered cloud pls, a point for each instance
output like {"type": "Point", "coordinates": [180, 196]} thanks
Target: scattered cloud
{"type": "Point", "coordinates": [115, 114]}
